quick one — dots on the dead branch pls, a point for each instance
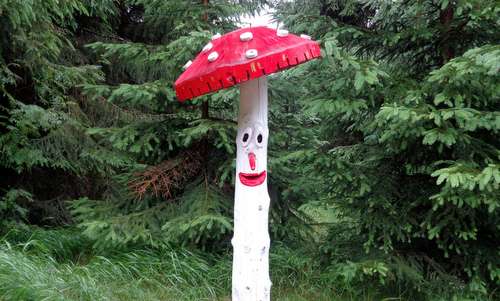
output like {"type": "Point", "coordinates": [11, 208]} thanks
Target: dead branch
{"type": "Point", "coordinates": [168, 176]}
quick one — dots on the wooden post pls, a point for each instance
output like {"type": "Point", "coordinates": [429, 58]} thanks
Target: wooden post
{"type": "Point", "coordinates": [251, 240]}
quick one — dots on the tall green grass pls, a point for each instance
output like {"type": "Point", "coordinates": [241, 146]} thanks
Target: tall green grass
{"type": "Point", "coordinates": [57, 265]}
{"type": "Point", "coordinates": [38, 264]}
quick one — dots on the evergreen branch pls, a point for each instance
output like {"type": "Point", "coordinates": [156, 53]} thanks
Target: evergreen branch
{"type": "Point", "coordinates": [104, 113]}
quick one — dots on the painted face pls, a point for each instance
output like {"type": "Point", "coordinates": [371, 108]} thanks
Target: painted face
{"type": "Point", "coordinates": [252, 154]}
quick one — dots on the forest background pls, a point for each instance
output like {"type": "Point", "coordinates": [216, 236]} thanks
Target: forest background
{"type": "Point", "coordinates": [384, 166]}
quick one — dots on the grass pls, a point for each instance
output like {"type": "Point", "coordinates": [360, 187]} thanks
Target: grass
{"type": "Point", "coordinates": [59, 265]}
{"type": "Point", "coordinates": [27, 274]}
{"type": "Point", "coordinates": [38, 264]}
{"type": "Point", "coordinates": [138, 275]}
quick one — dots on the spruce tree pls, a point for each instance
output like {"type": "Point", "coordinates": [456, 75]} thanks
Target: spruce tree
{"type": "Point", "coordinates": [92, 120]}
{"type": "Point", "coordinates": [407, 102]}
{"type": "Point", "coordinates": [44, 146]}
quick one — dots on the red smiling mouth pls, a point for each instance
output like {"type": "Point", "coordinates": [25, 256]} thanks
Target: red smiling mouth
{"type": "Point", "coordinates": [252, 179]}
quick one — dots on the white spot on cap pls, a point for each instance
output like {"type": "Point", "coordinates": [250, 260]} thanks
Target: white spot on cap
{"type": "Point", "coordinates": [246, 36]}
{"type": "Point", "coordinates": [251, 53]}
{"type": "Point", "coordinates": [207, 47]}
{"type": "Point", "coordinates": [216, 36]}
{"type": "Point", "coordinates": [282, 32]}
{"type": "Point", "coordinates": [186, 65]}
{"type": "Point", "coordinates": [304, 36]}
{"type": "Point", "coordinates": [213, 56]}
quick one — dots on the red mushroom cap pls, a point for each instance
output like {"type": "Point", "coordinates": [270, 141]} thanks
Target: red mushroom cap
{"type": "Point", "coordinates": [239, 56]}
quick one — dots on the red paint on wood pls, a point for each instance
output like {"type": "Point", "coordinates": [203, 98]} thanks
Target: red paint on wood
{"type": "Point", "coordinates": [232, 66]}
{"type": "Point", "coordinates": [252, 179]}
{"type": "Point", "coordinates": [251, 160]}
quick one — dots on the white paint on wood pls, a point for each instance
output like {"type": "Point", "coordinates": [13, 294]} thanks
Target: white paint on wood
{"type": "Point", "coordinates": [213, 56]}
{"type": "Point", "coordinates": [282, 32]}
{"type": "Point", "coordinates": [251, 53]}
{"type": "Point", "coordinates": [207, 47]}
{"type": "Point", "coordinates": [251, 241]}
{"type": "Point", "coordinates": [246, 36]}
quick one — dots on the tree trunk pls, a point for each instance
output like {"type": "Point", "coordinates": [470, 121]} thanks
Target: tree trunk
{"type": "Point", "coordinates": [446, 18]}
{"type": "Point", "coordinates": [251, 241]}
{"type": "Point", "coordinates": [204, 105]}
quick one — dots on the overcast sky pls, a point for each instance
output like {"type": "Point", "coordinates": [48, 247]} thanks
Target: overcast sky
{"type": "Point", "coordinates": [263, 19]}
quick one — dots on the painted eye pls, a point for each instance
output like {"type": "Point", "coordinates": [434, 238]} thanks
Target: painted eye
{"type": "Point", "coordinates": [259, 139]}
{"type": "Point", "coordinates": [245, 138]}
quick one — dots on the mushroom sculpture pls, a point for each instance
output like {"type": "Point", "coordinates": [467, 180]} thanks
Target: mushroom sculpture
{"type": "Point", "coordinates": [245, 56]}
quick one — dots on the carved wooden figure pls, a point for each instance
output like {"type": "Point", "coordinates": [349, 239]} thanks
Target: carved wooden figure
{"type": "Point", "coordinates": [245, 56]}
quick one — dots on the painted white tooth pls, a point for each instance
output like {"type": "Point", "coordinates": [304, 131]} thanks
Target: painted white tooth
{"type": "Point", "coordinates": [251, 53]}
{"type": "Point", "coordinates": [207, 47]}
{"type": "Point", "coordinates": [213, 56]}
{"type": "Point", "coordinates": [282, 32]}
{"type": "Point", "coordinates": [304, 36]}
{"type": "Point", "coordinates": [246, 36]}
{"type": "Point", "coordinates": [186, 65]}
{"type": "Point", "coordinates": [216, 36]}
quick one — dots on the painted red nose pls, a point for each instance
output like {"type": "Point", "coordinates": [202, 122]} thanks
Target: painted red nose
{"type": "Point", "coordinates": [251, 159]}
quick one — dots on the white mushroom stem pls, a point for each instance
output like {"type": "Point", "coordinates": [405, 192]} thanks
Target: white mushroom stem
{"type": "Point", "coordinates": [251, 241]}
